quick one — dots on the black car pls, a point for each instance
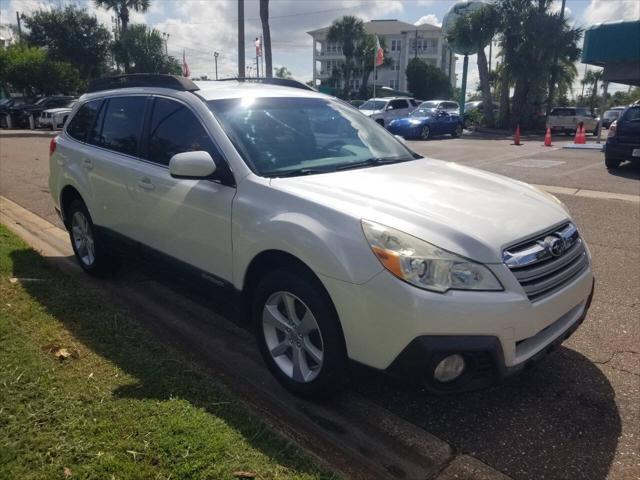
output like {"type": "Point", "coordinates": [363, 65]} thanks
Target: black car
{"type": "Point", "coordinates": [6, 104]}
{"type": "Point", "coordinates": [20, 115]}
{"type": "Point", "coordinates": [611, 115]}
{"type": "Point", "coordinates": [623, 141]}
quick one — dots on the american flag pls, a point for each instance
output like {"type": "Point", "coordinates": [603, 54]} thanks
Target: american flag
{"type": "Point", "coordinates": [185, 68]}
{"type": "Point", "coordinates": [258, 47]}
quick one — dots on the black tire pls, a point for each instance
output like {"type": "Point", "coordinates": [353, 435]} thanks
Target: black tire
{"type": "Point", "coordinates": [329, 376]}
{"type": "Point", "coordinates": [425, 133]}
{"type": "Point", "coordinates": [103, 261]}
{"type": "Point", "coordinates": [612, 163]}
{"type": "Point", "coordinates": [457, 132]}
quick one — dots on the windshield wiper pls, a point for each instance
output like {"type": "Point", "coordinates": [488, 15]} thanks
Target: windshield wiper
{"type": "Point", "coordinates": [371, 162]}
{"type": "Point", "coordinates": [297, 172]}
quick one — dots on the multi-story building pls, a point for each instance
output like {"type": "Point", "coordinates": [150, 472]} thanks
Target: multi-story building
{"type": "Point", "coordinates": [6, 35]}
{"type": "Point", "coordinates": [404, 41]}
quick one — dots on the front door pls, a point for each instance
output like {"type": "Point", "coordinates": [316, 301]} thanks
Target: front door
{"type": "Point", "coordinates": [189, 220]}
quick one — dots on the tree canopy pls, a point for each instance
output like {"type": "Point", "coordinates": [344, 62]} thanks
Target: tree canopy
{"type": "Point", "coordinates": [71, 35]}
{"type": "Point", "coordinates": [141, 50]}
{"type": "Point", "coordinates": [427, 82]}
{"type": "Point", "coordinates": [30, 70]}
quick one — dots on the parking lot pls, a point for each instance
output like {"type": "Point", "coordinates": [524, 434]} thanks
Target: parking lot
{"type": "Point", "coordinates": [576, 415]}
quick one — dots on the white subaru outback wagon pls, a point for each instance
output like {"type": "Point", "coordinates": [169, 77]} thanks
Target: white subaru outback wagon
{"type": "Point", "coordinates": [342, 243]}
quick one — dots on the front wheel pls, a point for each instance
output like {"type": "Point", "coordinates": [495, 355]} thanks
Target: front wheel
{"type": "Point", "coordinates": [425, 133]}
{"type": "Point", "coordinates": [90, 250]}
{"type": "Point", "coordinates": [298, 333]}
{"type": "Point", "coordinates": [457, 132]}
{"type": "Point", "coordinates": [611, 163]}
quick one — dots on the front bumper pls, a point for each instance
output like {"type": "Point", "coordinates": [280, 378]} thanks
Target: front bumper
{"type": "Point", "coordinates": [393, 326]}
{"type": "Point", "coordinates": [484, 357]}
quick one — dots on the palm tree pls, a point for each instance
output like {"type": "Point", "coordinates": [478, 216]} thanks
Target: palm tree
{"type": "Point", "coordinates": [141, 50]}
{"type": "Point", "coordinates": [266, 34]}
{"type": "Point", "coordinates": [478, 28]}
{"type": "Point", "coordinates": [592, 78]}
{"type": "Point", "coordinates": [122, 7]}
{"type": "Point", "coordinates": [348, 32]}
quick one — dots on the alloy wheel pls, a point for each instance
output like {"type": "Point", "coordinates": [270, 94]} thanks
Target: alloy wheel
{"type": "Point", "coordinates": [293, 337]}
{"type": "Point", "coordinates": [425, 132]}
{"type": "Point", "coordinates": [83, 238]}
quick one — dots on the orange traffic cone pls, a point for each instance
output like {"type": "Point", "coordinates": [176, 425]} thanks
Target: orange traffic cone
{"type": "Point", "coordinates": [516, 137]}
{"type": "Point", "coordinates": [583, 135]}
{"type": "Point", "coordinates": [547, 138]}
{"type": "Point", "coordinates": [576, 138]}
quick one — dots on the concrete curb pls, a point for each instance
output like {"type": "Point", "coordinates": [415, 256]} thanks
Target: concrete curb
{"type": "Point", "coordinates": [350, 434]}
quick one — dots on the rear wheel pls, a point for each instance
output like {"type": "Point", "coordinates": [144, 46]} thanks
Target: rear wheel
{"type": "Point", "coordinates": [298, 333]}
{"type": "Point", "coordinates": [90, 250]}
{"type": "Point", "coordinates": [425, 133]}
{"type": "Point", "coordinates": [612, 163]}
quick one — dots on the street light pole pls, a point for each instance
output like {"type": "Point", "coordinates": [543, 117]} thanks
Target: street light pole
{"type": "Point", "coordinates": [241, 67]}
{"type": "Point", "coordinates": [215, 59]}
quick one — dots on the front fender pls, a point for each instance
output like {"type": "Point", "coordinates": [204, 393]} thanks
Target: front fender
{"type": "Point", "coordinates": [330, 243]}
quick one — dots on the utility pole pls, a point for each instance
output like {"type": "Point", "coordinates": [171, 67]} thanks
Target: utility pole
{"type": "Point", "coordinates": [19, 26]}
{"type": "Point", "coordinates": [241, 69]}
{"type": "Point", "coordinates": [415, 47]}
{"type": "Point", "coordinates": [554, 66]}
{"type": "Point", "coordinates": [215, 59]}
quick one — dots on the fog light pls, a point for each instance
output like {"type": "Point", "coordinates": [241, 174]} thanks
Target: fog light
{"type": "Point", "coordinates": [449, 368]}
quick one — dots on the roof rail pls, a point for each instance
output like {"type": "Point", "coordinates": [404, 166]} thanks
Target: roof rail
{"type": "Point", "coordinates": [173, 82]}
{"type": "Point", "coordinates": [283, 82]}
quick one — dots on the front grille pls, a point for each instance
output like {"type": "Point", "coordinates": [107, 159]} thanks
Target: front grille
{"type": "Point", "coordinates": [546, 263]}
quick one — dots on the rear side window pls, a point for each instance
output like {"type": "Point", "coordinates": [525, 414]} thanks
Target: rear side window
{"type": "Point", "coordinates": [175, 129]}
{"type": "Point", "coordinates": [122, 124]}
{"type": "Point", "coordinates": [83, 120]}
{"type": "Point", "coordinates": [582, 112]}
{"type": "Point", "coordinates": [398, 104]}
{"type": "Point", "coordinates": [632, 115]}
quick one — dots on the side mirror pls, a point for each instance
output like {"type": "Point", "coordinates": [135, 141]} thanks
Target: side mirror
{"type": "Point", "coordinates": [389, 108]}
{"type": "Point", "coordinates": [198, 164]}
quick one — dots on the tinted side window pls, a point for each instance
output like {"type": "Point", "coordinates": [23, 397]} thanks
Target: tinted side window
{"type": "Point", "coordinates": [122, 124]}
{"type": "Point", "coordinates": [582, 112]}
{"type": "Point", "coordinates": [175, 129]}
{"type": "Point", "coordinates": [399, 104]}
{"type": "Point", "coordinates": [83, 120]}
{"type": "Point", "coordinates": [632, 115]}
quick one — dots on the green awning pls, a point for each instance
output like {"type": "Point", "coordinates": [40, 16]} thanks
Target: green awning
{"type": "Point", "coordinates": [616, 47]}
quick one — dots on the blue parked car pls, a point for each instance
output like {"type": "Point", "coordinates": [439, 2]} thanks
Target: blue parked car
{"type": "Point", "coordinates": [430, 118]}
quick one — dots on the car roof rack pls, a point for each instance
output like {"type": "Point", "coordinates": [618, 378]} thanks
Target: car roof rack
{"type": "Point", "coordinates": [173, 82]}
{"type": "Point", "coordinates": [282, 82]}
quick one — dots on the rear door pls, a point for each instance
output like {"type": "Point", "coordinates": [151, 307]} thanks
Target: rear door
{"type": "Point", "coordinates": [400, 109]}
{"type": "Point", "coordinates": [189, 220]}
{"type": "Point", "coordinates": [112, 162]}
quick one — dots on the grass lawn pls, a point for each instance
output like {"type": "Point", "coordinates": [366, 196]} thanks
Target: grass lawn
{"type": "Point", "coordinates": [121, 405]}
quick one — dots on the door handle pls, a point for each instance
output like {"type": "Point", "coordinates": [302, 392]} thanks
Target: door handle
{"type": "Point", "coordinates": [146, 184]}
{"type": "Point", "coordinates": [86, 163]}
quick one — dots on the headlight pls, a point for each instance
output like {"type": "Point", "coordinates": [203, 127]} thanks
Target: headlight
{"type": "Point", "coordinates": [424, 265]}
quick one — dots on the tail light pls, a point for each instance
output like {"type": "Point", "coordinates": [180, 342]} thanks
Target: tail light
{"type": "Point", "coordinates": [52, 146]}
{"type": "Point", "coordinates": [612, 129]}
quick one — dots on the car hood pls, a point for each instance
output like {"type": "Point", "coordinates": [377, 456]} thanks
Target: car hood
{"type": "Point", "coordinates": [464, 210]}
{"type": "Point", "coordinates": [368, 113]}
{"type": "Point", "coordinates": [57, 110]}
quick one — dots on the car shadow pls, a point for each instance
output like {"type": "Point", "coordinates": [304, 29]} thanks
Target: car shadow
{"type": "Point", "coordinates": [558, 420]}
{"type": "Point", "coordinates": [629, 170]}
{"type": "Point", "coordinates": [158, 374]}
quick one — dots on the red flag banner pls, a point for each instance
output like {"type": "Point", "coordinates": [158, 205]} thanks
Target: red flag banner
{"type": "Point", "coordinates": [258, 47]}
{"type": "Point", "coordinates": [379, 53]}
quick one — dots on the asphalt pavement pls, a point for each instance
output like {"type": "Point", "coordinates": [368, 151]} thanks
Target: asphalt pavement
{"type": "Point", "coordinates": [576, 415]}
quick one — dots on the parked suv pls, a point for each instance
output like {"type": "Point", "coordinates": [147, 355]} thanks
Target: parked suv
{"type": "Point", "coordinates": [623, 141]}
{"type": "Point", "coordinates": [384, 110]}
{"type": "Point", "coordinates": [567, 119]}
{"type": "Point", "coordinates": [340, 241]}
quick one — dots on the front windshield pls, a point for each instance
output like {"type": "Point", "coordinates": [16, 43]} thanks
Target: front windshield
{"type": "Point", "coordinates": [372, 105]}
{"type": "Point", "coordinates": [40, 101]}
{"type": "Point", "coordinates": [288, 135]}
{"type": "Point", "coordinates": [428, 105]}
{"type": "Point", "coordinates": [612, 114]}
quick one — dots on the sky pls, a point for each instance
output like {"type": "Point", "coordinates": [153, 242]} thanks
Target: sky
{"type": "Point", "coordinates": [200, 27]}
